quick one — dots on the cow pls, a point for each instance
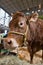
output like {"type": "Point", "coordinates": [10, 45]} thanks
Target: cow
{"type": "Point", "coordinates": [36, 33]}
{"type": "Point", "coordinates": [25, 29]}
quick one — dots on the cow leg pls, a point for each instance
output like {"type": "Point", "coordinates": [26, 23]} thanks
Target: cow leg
{"type": "Point", "coordinates": [0, 51]}
{"type": "Point", "coordinates": [31, 50]}
{"type": "Point", "coordinates": [31, 57]}
{"type": "Point", "coordinates": [42, 57]}
{"type": "Point", "coordinates": [42, 54]}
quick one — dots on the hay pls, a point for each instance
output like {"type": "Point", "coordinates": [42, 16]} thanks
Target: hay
{"type": "Point", "coordinates": [11, 60]}
{"type": "Point", "coordinates": [22, 58]}
{"type": "Point", "coordinates": [14, 60]}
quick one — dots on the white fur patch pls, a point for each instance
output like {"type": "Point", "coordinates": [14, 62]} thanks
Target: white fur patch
{"type": "Point", "coordinates": [14, 43]}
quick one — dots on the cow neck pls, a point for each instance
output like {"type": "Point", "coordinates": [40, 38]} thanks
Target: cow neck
{"type": "Point", "coordinates": [30, 31]}
{"type": "Point", "coordinates": [32, 34]}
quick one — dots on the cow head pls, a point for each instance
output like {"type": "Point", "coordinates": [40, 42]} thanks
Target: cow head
{"type": "Point", "coordinates": [17, 24]}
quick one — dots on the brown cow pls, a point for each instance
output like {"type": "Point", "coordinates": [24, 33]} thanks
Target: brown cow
{"type": "Point", "coordinates": [36, 34]}
{"type": "Point", "coordinates": [23, 29]}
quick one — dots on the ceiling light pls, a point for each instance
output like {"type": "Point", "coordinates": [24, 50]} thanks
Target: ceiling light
{"type": "Point", "coordinates": [38, 10]}
{"type": "Point", "coordinates": [27, 13]}
{"type": "Point", "coordinates": [32, 11]}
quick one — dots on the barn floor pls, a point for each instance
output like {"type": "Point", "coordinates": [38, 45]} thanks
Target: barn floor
{"type": "Point", "coordinates": [14, 60]}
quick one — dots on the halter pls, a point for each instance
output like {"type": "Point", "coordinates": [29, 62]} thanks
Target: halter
{"type": "Point", "coordinates": [22, 34]}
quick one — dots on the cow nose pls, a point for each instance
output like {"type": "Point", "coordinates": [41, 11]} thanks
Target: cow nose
{"type": "Point", "coordinates": [9, 42]}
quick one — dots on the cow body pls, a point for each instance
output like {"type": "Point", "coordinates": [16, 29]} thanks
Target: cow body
{"type": "Point", "coordinates": [36, 42]}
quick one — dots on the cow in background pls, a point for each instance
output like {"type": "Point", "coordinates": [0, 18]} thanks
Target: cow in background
{"type": "Point", "coordinates": [36, 35]}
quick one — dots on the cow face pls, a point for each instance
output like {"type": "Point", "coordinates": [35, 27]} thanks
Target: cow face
{"type": "Point", "coordinates": [17, 24]}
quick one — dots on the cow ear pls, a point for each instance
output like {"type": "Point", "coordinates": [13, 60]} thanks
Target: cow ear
{"type": "Point", "coordinates": [34, 17]}
{"type": "Point", "coordinates": [14, 13]}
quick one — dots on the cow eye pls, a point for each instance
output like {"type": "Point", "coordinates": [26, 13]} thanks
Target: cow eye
{"type": "Point", "coordinates": [21, 24]}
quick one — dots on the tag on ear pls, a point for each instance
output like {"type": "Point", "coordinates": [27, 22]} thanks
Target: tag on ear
{"type": "Point", "coordinates": [34, 17]}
